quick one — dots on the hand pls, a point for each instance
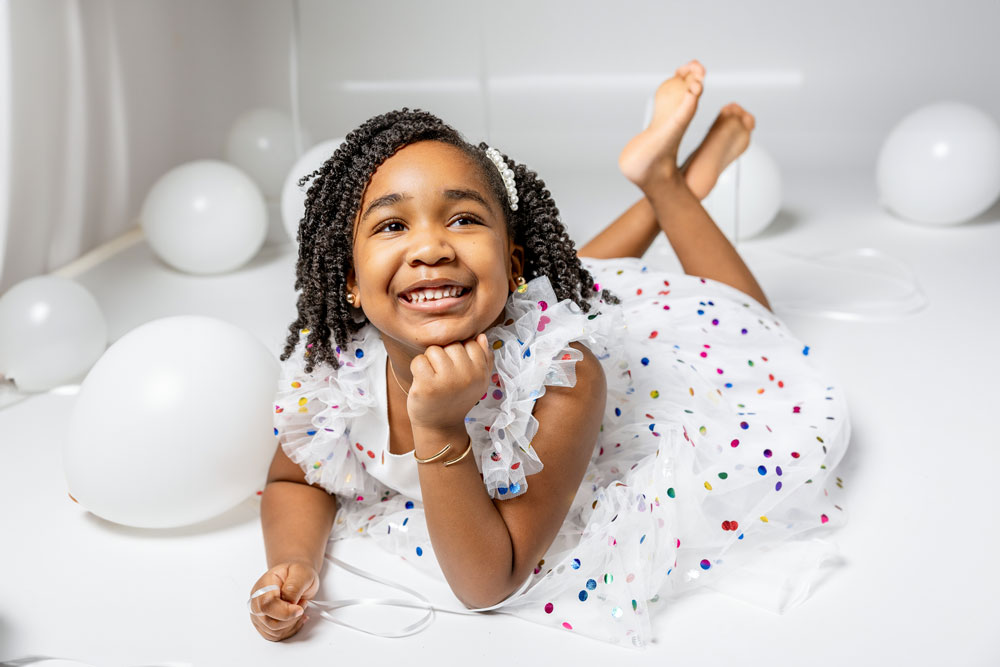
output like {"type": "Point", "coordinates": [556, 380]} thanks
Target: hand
{"type": "Point", "coordinates": [279, 614]}
{"type": "Point", "coordinates": [448, 381]}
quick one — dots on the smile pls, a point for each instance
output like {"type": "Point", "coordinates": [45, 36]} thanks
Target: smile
{"type": "Point", "coordinates": [434, 294]}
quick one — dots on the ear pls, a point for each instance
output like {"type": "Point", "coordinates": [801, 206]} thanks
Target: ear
{"type": "Point", "coordinates": [515, 267]}
{"type": "Point", "coordinates": [352, 288]}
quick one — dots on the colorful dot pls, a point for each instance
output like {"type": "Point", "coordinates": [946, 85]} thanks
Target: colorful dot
{"type": "Point", "coordinates": [824, 518]}
{"type": "Point", "coordinates": [743, 331]}
{"type": "Point", "coordinates": [744, 425]}
{"type": "Point", "coordinates": [608, 578]}
{"type": "Point", "coordinates": [723, 475]}
{"type": "Point", "coordinates": [654, 394]}
{"type": "Point", "coordinates": [795, 455]}
{"type": "Point", "coordinates": [497, 344]}
{"type": "Point", "coordinates": [420, 552]}
{"type": "Point", "coordinates": [805, 350]}
{"type": "Point", "coordinates": [777, 471]}
{"type": "Point", "coordinates": [734, 443]}
{"type": "Point", "coordinates": [767, 453]}
{"type": "Point", "coordinates": [761, 470]}
{"type": "Point", "coordinates": [409, 504]}
{"type": "Point", "coordinates": [671, 493]}
{"type": "Point", "coordinates": [653, 334]}
{"type": "Point", "coordinates": [591, 584]}
{"type": "Point", "coordinates": [575, 564]}
{"type": "Point", "coordinates": [548, 607]}
{"type": "Point", "coordinates": [543, 305]}
{"type": "Point", "coordinates": [567, 625]}
{"type": "Point", "coordinates": [583, 596]}
{"type": "Point", "coordinates": [644, 361]}
{"type": "Point", "coordinates": [359, 353]}
{"type": "Point", "coordinates": [777, 487]}
{"type": "Point", "coordinates": [497, 394]}
{"type": "Point", "coordinates": [705, 564]}
{"type": "Point", "coordinates": [635, 605]}
{"type": "Point", "coordinates": [708, 486]}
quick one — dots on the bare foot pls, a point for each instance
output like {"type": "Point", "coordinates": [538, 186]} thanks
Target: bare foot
{"type": "Point", "coordinates": [728, 137]}
{"type": "Point", "coordinates": [652, 154]}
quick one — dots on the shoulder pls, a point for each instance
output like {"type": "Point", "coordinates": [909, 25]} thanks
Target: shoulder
{"type": "Point", "coordinates": [583, 402]}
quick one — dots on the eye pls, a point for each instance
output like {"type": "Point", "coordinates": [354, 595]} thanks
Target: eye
{"type": "Point", "coordinates": [464, 220]}
{"type": "Point", "coordinates": [389, 226]}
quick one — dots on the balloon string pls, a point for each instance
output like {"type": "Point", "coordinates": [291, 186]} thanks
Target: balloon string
{"type": "Point", "coordinates": [293, 79]}
{"type": "Point", "coordinates": [326, 606]}
{"type": "Point", "coordinates": [907, 300]}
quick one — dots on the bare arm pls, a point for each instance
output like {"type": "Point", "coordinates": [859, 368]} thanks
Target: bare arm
{"type": "Point", "coordinates": [295, 516]}
{"type": "Point", "coordinates": [488, 548]}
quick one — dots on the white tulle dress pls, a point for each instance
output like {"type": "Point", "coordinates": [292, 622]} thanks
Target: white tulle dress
{"type": "Point", "coordinates": [713, 466]}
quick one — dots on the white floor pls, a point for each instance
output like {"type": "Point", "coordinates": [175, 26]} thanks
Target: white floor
{"type": "Point", "coordinates": [919, 586]}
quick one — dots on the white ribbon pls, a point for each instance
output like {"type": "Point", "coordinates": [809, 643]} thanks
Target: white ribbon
{"type": "Point", "coordinates": [421, 602]}
{"type": "Point", "coordinates": [424, 603]}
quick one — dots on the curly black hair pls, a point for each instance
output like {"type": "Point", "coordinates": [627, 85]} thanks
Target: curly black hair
{"type": "Point", "coordinates": [326, 230]}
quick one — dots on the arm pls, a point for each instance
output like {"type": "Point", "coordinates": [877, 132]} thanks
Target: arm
{"type": "Point", "coordinates": [487, 548]}
{"type": "Point", "coordinates": [296, 520]}
{"type": "Point", "coordinates": [295, 516]}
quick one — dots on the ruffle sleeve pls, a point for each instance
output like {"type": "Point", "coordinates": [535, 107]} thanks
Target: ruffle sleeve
{"type": "Point", "coordinates": [313, 413]}
{"type": "Point", "coordinates": [532, 351]}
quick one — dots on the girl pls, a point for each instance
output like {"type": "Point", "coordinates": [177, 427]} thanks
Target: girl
{"type": "Point", "coordinates": [574, 439]}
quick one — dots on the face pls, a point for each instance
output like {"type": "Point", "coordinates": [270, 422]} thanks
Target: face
{"type": "Point", "coordinates": [433, 262]}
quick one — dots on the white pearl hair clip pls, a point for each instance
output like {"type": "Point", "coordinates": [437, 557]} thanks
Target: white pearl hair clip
{"type": "Point", "coordinates": [508, 176]}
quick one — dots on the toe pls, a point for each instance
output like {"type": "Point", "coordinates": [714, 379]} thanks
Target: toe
{"type": "Point", "coordinates": [691, 67]}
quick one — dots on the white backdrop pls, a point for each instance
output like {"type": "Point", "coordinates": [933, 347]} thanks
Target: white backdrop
{"type": "Point", "coordinates": [106, 95]}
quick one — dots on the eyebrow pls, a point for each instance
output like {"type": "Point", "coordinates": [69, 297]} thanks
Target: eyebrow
{"type": "Point", "coordinates": [386, 200]}
{"type": "Point", "coordinates": [454, 194]}
{"type": "Point", "coordinates": [459, 194]}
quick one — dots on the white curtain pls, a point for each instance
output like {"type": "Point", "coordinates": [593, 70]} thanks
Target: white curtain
{"type": "Point", "coordinates": [101, 97]}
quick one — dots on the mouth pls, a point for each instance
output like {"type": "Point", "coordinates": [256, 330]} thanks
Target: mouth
{"type": "Point", "coordinates": [441, 294]}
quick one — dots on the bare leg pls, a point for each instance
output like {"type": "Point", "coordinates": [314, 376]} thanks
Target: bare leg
{"type": "Point", "coordinates": [631, 234]}
{"type": "Point", "coordinates": [650, 161]}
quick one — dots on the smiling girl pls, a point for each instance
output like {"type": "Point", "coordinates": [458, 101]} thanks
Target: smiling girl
{"type": "Point", "coordinates": [570, 437]}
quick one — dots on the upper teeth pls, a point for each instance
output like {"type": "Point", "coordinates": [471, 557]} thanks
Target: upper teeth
{"type": "Point", "coordinates": [432, 293]}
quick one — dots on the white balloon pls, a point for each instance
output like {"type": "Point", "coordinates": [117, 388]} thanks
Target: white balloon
{"type": "Point", "coordinates": [940, 164]}
{"type": "Point", "coordinates": [51, 331]}
{"type": "Point", "coordinates": [173, 424]}
{"type": "Point", "coordinates": [293, 197]}
{"type": "Point", "coordinates": [756, 198]}
{"type": "Point", "coordinates": [205, 217]}
{"type": "Point", "coordinates": [261, 142]}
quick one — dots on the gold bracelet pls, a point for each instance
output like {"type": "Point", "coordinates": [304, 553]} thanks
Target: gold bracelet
{"type": "Point", "coordinates": [464, 454]}
{"type": "Point", "coordinates": [433, 458]}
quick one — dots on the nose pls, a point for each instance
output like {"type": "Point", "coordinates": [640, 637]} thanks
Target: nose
{"type": "Point", "coordinates": [429, 244]}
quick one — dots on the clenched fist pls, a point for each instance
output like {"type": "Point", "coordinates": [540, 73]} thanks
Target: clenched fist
{"type": "Point", "coordinates": [448, 381]}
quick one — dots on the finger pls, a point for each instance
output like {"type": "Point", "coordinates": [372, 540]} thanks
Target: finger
{"type": "Point", "coordinates": [476, 356]}
{"type": "Point", "coordinates": [277, 609]}
{"type": "Point", "coordinates": [277, 626]}
{"type": "Point", "coordinates": [459, 354]}
{"type": "Point", "coordinates": [439, 360]}
{"type": "Point", "coordinates": [300, 585]}
{"type": "Point", "coordinates": [267, 633]}
{"type": "Point", "coordinates": [484, 343]}
{"type": "Point", "coordinates": [264, 592]}
{"type": "Point", "coordinates": [278, 635]}
{"type": "Point", "coordinates": [421, 367]}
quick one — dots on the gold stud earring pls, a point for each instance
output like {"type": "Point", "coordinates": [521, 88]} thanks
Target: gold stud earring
{"type": "Point", "coordinates": [522, 286]}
